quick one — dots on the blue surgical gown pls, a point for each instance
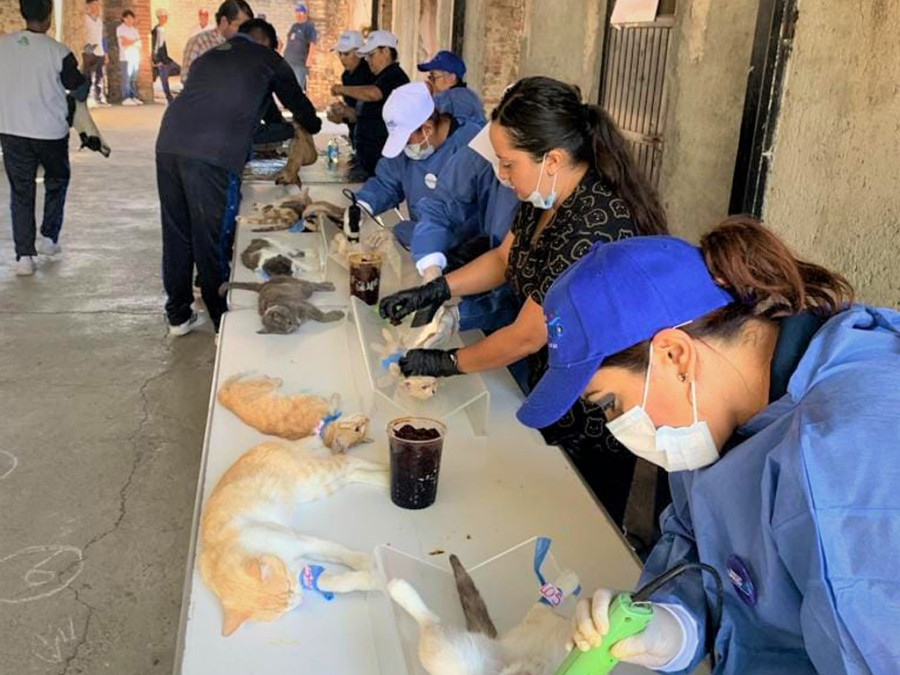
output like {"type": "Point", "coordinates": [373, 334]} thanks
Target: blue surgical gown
{"type": "Point", "coordinates": [810, 503]}
{"type": "Point", "coordinates": [400, 177]}
{"type": "Point", "coordinates": [468, 203]}
{"type": "Point", "coordinates": [462, 103]}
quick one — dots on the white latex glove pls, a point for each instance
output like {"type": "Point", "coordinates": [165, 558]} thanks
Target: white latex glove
{"type": "Point", "coordinates": [431, 273]}
{"type": "Point", "coordinates": [659, 643]}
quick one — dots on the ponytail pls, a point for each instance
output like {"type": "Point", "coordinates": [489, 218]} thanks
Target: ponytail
{"type": "Point", "coordinates": [760, 271]}
{"type": "Point", "coordinates": [613, 160]}
{"type": "Point", "coordinates": [767, 281]}
{"type": "Point", "coordinates": [540, 114]}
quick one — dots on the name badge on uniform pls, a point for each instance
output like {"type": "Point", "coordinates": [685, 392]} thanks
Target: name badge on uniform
{"type": "Point", "coordinates": [430, 181]}
{"type": "Point", "coordinates": [740, 578]}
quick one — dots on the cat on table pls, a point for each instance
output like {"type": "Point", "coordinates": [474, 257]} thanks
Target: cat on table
{"type": "Point", "coordinates": [251, 557]}
{"type": "Point", "coordinates": [536, 646]}
{"type": "Point", "coordinates": [256, 401]}
{"type": "Point", "coordinates": [283, 302]}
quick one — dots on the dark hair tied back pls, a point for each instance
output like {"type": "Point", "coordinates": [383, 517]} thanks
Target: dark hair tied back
{"type": "Point", "coordinates": [541, 114]}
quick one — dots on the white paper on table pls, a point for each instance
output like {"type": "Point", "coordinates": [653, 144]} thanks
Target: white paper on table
{"type": "Point", "coordinates": [634, 11]}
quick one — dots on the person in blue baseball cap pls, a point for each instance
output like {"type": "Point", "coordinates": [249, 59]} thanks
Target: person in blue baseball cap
{"type": "Point", "coordinates": [446, 79]}
{"type": "Point", "coordinates": [774, 404]}
{"type": "Point", "coordinates": [300, 44]}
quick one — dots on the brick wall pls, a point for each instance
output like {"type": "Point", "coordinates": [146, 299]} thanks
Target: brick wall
{"type": "Point", "coordinates": [504, 25]}
{"type": "Point", "coordinates": [10, 19]}
{"type": "Point", "coordinates": [329, 16]}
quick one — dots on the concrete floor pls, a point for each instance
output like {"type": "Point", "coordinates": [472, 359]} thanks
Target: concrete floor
{"type": "Point", "coordinates": [102, 426]}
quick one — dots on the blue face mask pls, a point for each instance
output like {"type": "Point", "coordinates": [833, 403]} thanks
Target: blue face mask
{"type": "Point", "coordinates": [536, 198]}
{"type": "Point", "coordinates": [416, 151]}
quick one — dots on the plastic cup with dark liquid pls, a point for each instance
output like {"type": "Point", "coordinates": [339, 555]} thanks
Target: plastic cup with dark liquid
{"type": "Point", "coordinates": [365, 276]}
{"type": "Point", "coordinates": [416, 446]}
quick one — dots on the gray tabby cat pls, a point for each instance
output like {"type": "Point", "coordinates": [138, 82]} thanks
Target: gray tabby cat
{"type": "Point", "coordinates": [283, 305]}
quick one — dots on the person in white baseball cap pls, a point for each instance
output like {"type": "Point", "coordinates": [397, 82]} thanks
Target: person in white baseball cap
{"type": "Point", "coordinates": [421, 140]}
{"type": "Point", "coordinates": [356, 74]}
{"type": "Point", "coordinates": [380, 52]}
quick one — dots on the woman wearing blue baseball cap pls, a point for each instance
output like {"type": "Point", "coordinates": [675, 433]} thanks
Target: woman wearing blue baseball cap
{"type": "Point", "coordinates": [774, 404]}
{"type": "Point", "coordinates": [578, 184]}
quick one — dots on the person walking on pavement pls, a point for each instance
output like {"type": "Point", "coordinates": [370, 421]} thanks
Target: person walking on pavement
{"type": "Point", "coordinates": [203, 143]}
{"type": "Point", "coordinates": [300, 45]}
{"type": "Point", "coordinates": [36, 71]}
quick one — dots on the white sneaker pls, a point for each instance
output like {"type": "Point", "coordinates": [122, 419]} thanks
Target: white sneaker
{"type": "Point", "coordinates": [197, 319]}
{"type": "Point", "coordinates": [24, 266]}
{"type": "Point", "coordinates": [128, 101]}
{"type": "Point", "coordinates": [46, 246]}
{"type": "Point", "coordinates": [137, 101]}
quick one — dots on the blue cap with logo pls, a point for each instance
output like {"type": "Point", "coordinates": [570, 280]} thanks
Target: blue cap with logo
{"type": "Point", "coordinates": [301, 7]}
{"type": "Point", "coordinates": [446, 61]}
{"type": "Point", "coordinates": [618, 295]}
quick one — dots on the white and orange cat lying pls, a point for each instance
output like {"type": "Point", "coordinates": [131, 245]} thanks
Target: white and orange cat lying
{"type": "Point", "coordinates": [257, 402]}
{"type": "Point", "coordinates": [251, 557]}
{"type": "Point", "coordinates": [536, 646]}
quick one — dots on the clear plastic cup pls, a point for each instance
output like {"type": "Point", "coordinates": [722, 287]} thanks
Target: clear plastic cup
{"type": "Point", "coordinates": [415, 462]}
{"type": "Point", "coordinates": [365, 276]}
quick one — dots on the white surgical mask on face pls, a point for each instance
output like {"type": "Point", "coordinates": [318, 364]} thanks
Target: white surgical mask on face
{"type": "Point", "coordinates": [672, 448]}
{"type": "Point", "coordinates": [416, 152]}
{"type": "Point", "coordinates": [536, 198]}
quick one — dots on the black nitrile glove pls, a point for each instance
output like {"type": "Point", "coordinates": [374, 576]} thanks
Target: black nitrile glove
{"type": "Point", "coordinates": [428, 297]}
{"type": "Point", "coordinates": [429, 363]}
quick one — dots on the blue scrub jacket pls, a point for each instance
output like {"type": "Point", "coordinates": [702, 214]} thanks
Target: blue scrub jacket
{"type": "Point", "coordinates": [462, 103]}
{"type": "Point", "coordinates": [810, 504]}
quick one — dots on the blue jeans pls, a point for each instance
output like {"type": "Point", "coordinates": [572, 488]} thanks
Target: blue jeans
{"type": "Point", "coordinates": [128, 71]}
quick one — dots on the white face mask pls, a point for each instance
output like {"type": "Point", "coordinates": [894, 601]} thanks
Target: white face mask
{"type": "Point", "coordinates": [672, 448]}
{"type": "Point", "coordinates": [416, 152]}
{"type": "Point", "coordinates": [536, 198]}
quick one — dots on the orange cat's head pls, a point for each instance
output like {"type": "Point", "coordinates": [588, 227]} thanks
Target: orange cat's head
{"type": "Point", "coordinates": [344, 433]}
{"type": "Point", "coordinates": [258, 589]}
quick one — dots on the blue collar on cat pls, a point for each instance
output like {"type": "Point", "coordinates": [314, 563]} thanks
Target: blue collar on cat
{"type": "Point", "coordinates": [325, 421]}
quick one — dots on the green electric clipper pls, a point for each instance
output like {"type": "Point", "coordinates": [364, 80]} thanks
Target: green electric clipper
{"type": "Point", "coordinates": [626, 618]}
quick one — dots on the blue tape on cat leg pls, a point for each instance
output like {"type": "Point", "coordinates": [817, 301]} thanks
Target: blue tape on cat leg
{"type": "Point", "coordinates": [550, 595]}
{"type": "Point", "coordinates": [393, 358]}
{"type": "Point", "coordinates": [299, 226]}
{"type": "Point", "coordinates": [309, 580]}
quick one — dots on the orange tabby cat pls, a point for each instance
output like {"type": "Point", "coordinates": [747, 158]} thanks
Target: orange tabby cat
{"type": "Point", "coordinates": [256, 401]}
{"type": "Point", "coordinates": [251, 557]}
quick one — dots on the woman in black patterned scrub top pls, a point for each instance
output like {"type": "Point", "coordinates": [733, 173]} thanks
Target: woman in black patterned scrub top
{"type": "Point", "coordinates": [579, 186]}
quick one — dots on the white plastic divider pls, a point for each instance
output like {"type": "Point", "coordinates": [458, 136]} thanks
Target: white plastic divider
{"type": "Point", "coordinates": [463, 394]}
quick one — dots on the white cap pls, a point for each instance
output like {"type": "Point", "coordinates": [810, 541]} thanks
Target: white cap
{"type": "Point", "coordinates": [161, 12]}
{"type": "Point", "coordinates": [407, 108]}
{"type": "Point", "coordinates": [378, 38]}
{"type": "Point", "coordinates": [349, 41]}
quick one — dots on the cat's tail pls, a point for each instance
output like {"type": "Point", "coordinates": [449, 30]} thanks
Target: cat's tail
{"type": "Point", "coordinates": [240, 285]}
{"type": "Point", "coordinates": [477, 618]}
{"type": "Point", "coordinates": [409, 599]}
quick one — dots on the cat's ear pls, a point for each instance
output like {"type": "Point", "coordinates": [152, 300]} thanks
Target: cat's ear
{"type": "Point", "coordinates": [233, 621]}
{"type": "Point", "coordinates": [257, 568]}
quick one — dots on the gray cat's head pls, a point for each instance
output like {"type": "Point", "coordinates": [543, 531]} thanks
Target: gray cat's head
{"type": "Point", "coordinates": [279, 319]}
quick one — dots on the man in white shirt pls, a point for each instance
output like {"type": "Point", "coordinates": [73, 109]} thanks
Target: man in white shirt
{"type": "Point", "coordinates": [94, 56]}
{"type": "Point", "coordinates": [203, 22]}
{"type": "Point", "coordinates": [35, 72]}
{"type": "Point", "coordinates": [129, 57]}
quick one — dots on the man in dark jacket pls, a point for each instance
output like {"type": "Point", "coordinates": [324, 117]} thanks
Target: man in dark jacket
{"type": "Point", "coordinates": [163, 65]}
{"type": "Point", "coordinates": [204, 141]}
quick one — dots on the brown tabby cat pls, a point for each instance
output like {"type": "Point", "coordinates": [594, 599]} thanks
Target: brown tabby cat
{"type": "Point", "coordinates": [251, 558]}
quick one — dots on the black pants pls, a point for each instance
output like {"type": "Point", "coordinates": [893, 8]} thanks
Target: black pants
{"type": "Point", "coordinates": [198, 204]}
{"type": "Point", "coordinates": [22, 157]}
{"type": "Point", "coordinates": [92, 67]}
{"type": "Point", "coordinates": [165, 70]}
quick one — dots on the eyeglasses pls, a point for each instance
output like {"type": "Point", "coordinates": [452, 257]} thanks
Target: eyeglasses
{"type": "Point", "coordinates": [434, 75]}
